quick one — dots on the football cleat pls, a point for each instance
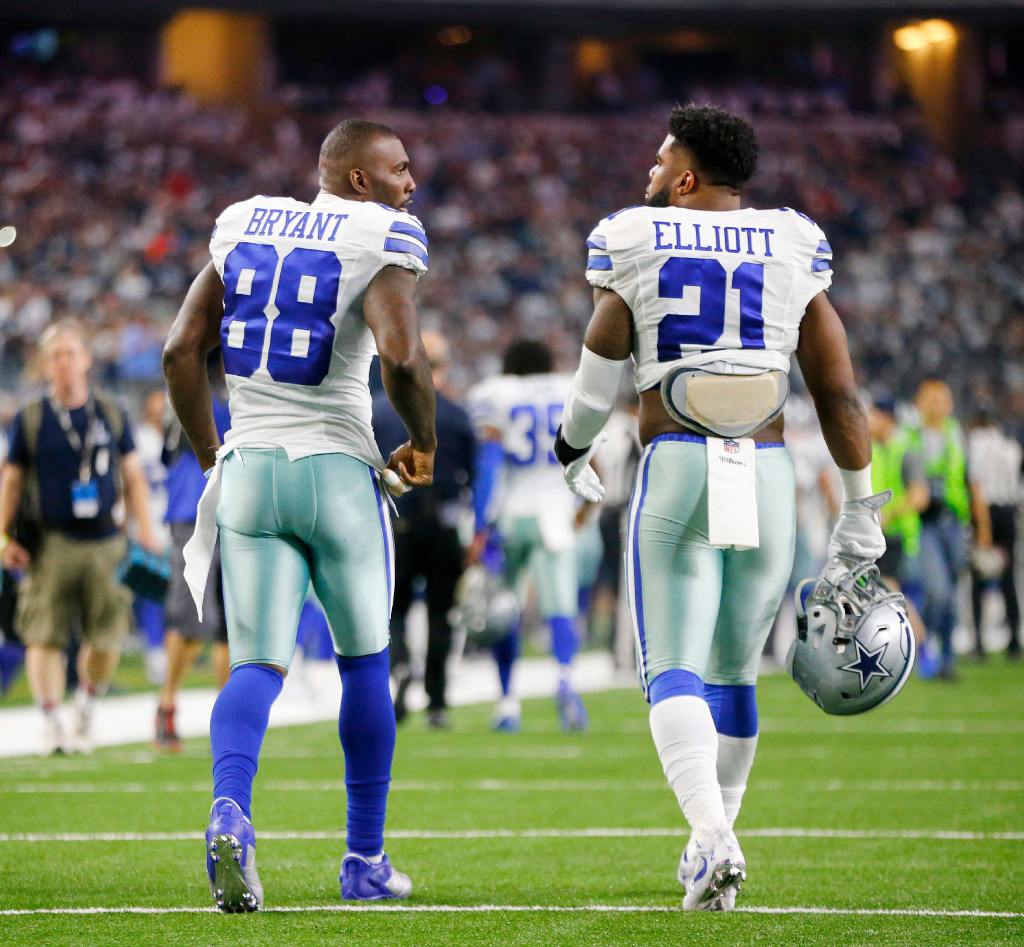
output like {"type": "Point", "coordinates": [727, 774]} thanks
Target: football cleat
{"type": "Point", "coordinates": [362, 880]}
{"type": "Point", "coordinates": [572, 715]}
{"type": "Point", "coordinates": [166, 733]}
{"type": "Point", "coordinates": [508, 716]}
{"type": "Point", "coordinates": [231, 859]}
{"type": "Point", "coordinates": [711, 875]}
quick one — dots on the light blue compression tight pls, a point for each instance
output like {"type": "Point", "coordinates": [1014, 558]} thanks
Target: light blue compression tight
{"type": "Point", "coordinates": [283, 524]}
{"type": "Point", "coordinates": [696, 608]}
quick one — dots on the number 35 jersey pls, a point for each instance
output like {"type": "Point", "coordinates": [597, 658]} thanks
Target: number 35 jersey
{"type": "Point", "coordinates": [296, 347]}
{"type": "Point", "coordinates": [526, 410]}
{"type": "Point", "coordinates": [719, 290]}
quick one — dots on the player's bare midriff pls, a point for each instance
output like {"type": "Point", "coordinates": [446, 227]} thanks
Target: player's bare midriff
{"type": "Point", "coordinates": [655, 420]}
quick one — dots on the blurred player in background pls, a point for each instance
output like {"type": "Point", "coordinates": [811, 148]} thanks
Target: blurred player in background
{"type": "Point", "coordinates": [517, 414]}
{"type": "Point", "coordinates": [187, 631]}
{"type": "Point", "coordinates": [954, 497]}
{"type": "Point", "coordinates": [149, 444]}
{"type": "Point", "coordinates": [427, 534]}
{"type": "Point", "coordinates": [711, 300]}
{"type": "Point", "coordinates": [296, 295]}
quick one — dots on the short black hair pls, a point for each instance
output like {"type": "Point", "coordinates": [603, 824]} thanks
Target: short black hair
{"type": "Point", "coordinates": [348, 138]}
{"type": "Point", "coordinates": [723, 144]}
{"type": "Point", "coordinates": [527, 357]}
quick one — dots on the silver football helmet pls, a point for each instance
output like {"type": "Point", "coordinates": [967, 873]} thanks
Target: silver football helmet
{"type": "Point", "coordinates": [485, 607]}
{"type": "Point", "coordinates": [854, 648]}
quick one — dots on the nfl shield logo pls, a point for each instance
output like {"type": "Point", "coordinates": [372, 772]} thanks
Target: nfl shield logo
{"type": "Point", "coordinates": [732, 447]}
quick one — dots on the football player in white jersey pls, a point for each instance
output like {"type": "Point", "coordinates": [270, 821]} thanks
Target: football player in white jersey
{"type": "Point", "coordinates": [299, 297]}
{"type": "Point", "coordinates": [710, 300]}
{"type": "Point", "coordinates": [516, 415]}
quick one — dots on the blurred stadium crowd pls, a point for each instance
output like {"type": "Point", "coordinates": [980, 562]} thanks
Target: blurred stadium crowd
{"type": "Point", "coordinates": [114, 188]}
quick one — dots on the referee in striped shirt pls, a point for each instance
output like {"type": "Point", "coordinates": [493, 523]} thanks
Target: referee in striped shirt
{"type": "Point", "coordinates": [995, 462]}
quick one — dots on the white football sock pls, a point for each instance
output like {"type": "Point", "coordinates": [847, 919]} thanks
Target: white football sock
{"type": "Point", "coordinates": [687, 744]}
{"type": "Point", "coordinates": [735, 758]}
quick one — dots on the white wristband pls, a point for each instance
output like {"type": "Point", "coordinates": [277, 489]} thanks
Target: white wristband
{"type": "Point", "coordinates": [856, 483]}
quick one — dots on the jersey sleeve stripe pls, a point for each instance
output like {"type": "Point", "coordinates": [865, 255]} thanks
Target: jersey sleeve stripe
{"type": "Point", "coordinates": [394, 245]}
{"type": "Point", "coordinates": [597, 242]}
{"type": "Point", "coordinates": [823, 247]}
{"type": "Point", "coordinates": [410, 230]}
{"type": "Point", "coordinates": [818, 265]}
{"type": "Point", "coordinates": [599, 262]}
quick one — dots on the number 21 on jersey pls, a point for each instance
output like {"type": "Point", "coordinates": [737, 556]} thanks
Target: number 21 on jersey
{"type": "Point", "coordinates": [281, 305]}
{"type": "Point", "coordinates": [705, 328]}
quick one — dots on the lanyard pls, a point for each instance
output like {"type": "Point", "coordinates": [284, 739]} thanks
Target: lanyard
{"type": "Point", "coordinates": [85, 450]}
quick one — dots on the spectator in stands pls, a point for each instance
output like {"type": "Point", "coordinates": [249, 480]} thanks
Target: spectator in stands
{"type": "Point", "coordinates": [953, 497]}
{"type": "Point", "coordinates": [68, 454]}
{"type": "Point", "coordinates": [427, 533]}
{"type": "Point", "coordinates": [995, 460]}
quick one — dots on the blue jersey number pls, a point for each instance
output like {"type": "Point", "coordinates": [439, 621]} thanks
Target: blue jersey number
{"type": "Point", "coordinates": [528, 440]}
{"type": "Point", "coordinates": [704, 329]}
{"type": "Point", "coordinates": [302, 334]}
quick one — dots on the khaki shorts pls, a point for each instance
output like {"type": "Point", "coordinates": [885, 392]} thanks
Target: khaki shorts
{"type": "Point", "coordinates": [73, 584]}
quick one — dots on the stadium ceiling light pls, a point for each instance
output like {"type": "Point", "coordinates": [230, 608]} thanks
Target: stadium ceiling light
{"type": "Point", "coordinates": [938, 31]}
{"type": "Point", "coordinates": [920, 35]}
{"type": "Point", "coordinates": [454, 35]}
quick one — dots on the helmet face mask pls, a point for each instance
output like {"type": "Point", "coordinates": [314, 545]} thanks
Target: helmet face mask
{"type": "Point", "coordinates": [854, 649]}
{"type": "Point", "coordinates": [485, 608]}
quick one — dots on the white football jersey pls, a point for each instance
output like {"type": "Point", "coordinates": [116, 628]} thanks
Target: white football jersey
{"type": "Point", "coordinates": [527, 410]}
{"type": "Point", "coordinates": [296, 347]}
{"type": "Point", "coordinates": [719, 290]}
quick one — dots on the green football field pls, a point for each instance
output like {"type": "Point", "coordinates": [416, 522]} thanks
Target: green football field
{"type": "Point", "coordinates": [904, 826]}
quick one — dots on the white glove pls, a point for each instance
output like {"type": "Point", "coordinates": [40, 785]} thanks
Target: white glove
{"type": "Point", "coordinates": [859, 531]}
{"type": "Point", "coordinates": [582, 478]}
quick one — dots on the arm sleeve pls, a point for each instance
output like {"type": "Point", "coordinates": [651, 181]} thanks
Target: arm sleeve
{"type": "Point", "coordinates": [404, 243]}
{"type": "Point", "coordinates": [600, 268]}
{"type": "Point", "coordinates": [18, 452]}
{"type": "Point", "coordinates": [489, 458]}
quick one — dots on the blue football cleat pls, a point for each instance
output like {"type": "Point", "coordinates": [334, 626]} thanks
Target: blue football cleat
{"type": "Point", "coordinates": [231, 859]}
{"type": "Point", "coordinates": [572, 715]}
{"type": "Point", "coordinates": [362, 880]}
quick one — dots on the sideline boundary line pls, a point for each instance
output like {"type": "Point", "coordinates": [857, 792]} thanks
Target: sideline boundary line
{"type": "Point", "coordinates": [512, 909]}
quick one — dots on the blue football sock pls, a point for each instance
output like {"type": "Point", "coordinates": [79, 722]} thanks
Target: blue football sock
{"type": "Point", "coordinates": [733, 708]}
{"type": "Point", "coordinates": [366, 726]}
{"type": "Point", "coordinates": [237, 726]}
{"type": "Point", "coordinates": [505, 652]}
{"type": "Point", "coordinates": [563, 639]}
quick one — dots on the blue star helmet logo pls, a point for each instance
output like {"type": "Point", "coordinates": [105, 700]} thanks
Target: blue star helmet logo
{"type": "Point", "coordinates": [868, 664]}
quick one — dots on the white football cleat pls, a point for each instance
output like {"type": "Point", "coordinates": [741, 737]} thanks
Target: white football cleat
{"type": "Point", "coordinates": [711, 874]}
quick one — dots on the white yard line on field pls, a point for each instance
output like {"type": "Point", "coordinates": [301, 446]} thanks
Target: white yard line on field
{"type": "Point", "coordinates": [515, 909]}
{"type": "Point", "coordinates": [934, 835]}
{"type": "Point", "coordinates": [538, 785]}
